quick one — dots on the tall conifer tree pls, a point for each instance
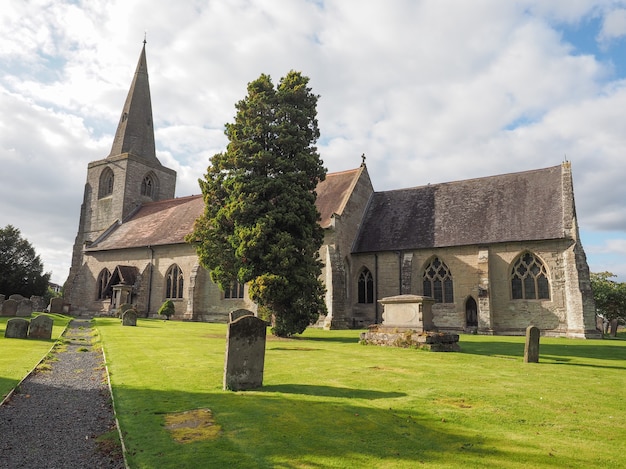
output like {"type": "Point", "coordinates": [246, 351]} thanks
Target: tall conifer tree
{"type": "Point", "coordinates": [260, 224]}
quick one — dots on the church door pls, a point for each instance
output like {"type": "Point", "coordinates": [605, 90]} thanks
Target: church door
{"type": "Point", "coordinates": [471, 313]}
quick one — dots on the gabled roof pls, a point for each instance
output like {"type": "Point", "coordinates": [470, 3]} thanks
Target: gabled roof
{"type": "Point", "coordinates": [154, 224]}
{"type": "Point", "coordinates": [169, 221]}
{"type": "Point", "coordinates": [509, 207]}
{"type": "Point", "coordinates": [135, 131]}
{"type": "Point", "coordinates": [333, 193]}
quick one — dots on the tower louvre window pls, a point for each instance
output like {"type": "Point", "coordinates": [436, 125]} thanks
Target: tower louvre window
{"type": "Point", "coordinates": [148, 186]}
{"type": "Point", "coordinates": [105, 186]}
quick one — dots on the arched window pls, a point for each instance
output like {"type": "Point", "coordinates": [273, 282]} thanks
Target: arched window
{"type": "Point", "coordinates": [174, 282]}
{"type": "Point", "coordinates": [105, 186]}
{"type": "Point", "coordinates": [148, 185]}
{"type": "Point", "coordinates": [366, 286]}
{"type": "Point", "coordinates": [235, 291]}
{"type": "Point", "coordinates": [529, 279]}
{"type": "Point", "coordinates": [101, 284]}
{"type": "Point", "coordinates": [438, 282]}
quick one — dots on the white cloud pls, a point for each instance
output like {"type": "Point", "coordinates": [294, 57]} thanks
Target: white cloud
{"type": "Point", "coordinates": [613, 25]}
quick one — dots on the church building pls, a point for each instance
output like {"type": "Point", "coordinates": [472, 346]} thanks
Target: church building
{"type": "Point", "coordinates": [497, 253]}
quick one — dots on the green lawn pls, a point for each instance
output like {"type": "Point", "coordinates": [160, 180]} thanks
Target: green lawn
{"type": "Point", "coordinates": [329, 402]}
{"type": "Point", "coordinates": [19, 356]}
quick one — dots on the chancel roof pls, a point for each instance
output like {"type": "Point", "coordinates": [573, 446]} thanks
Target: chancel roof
{"type": "Point", "coordinates": [333, 193]}
{"type": "Point", "coordinates": [510, 207]}
{"type": "Point", "coordinates": [154, 224]}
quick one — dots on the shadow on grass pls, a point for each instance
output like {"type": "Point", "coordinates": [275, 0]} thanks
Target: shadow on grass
{"type": "Point", "coordinates": [291, 431]}
{"type": "Point", "coordinates": [288, 431]}
{"type": "Point", "coordinates": [330, 391]}
{"type": "Point", "coordinates": [570, 352]}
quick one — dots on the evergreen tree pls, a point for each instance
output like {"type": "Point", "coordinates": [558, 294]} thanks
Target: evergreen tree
{"type": "Point", "coordinates": [260, 224]}
{"type": "Point", "coordinates": [21, 269]}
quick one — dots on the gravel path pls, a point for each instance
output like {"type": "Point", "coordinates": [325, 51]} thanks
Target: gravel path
{"type": "Point", "coordinates": [55, 417]}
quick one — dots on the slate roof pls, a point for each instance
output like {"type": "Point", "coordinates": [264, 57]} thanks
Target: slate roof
{"type": "Point", "coordinates": [169, 221]}
{"type": "Point", "coordinates": [333, 193]}
{"type": "Point", "coordinates": [154, 224]}
{"type": "Point", "coordinates": [509, 207]}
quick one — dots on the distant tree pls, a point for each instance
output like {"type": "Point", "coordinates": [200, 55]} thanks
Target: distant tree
{"type": "Point", "coordinates": [260, 224]}
{"type": "Point", "coordinates": [167, 309]}
{"type": "Point", "coordinates": [21, 269]}
{"type": "Point", "coordinates": [610, 298]}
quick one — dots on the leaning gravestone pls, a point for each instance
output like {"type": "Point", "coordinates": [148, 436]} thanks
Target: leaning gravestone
{"type": "Point", "coordinates": [17, 328]}
{"type": "Point", "coordinates": [24, 308]}
{"type": "Point", "coordinates": [41, 327]}
{"type": "Point", "coordinates": [56, 305]}
{"type": "Point", "coordinates": [531, 350]}
{"type": "Point", "coordinates": [9, 308]}
{"type": "Point", "coordinates": [245, 353]}
{"type": "Point", "coordinates": [129, 318]}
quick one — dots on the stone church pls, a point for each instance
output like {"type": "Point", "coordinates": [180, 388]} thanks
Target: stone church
{"type": "Point", "coordinates": [497, 253]}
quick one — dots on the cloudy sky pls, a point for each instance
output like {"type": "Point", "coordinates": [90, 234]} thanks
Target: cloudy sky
{"type": "Point", "coordinates": [430, 90]}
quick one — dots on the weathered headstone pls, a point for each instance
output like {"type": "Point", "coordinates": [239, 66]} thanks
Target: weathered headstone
{"type": "Point", "coordinates": [41, 327]}
{"type": "Point", "coordinates": [9, 308]}
{"type": "Point", "coordinates": [129, 318]}
{"type": "Point", "coordinates": [24, 308]}
{"type": "Point", "coordinates": [239, 313]}
{"type": "Point", "coordinates": [16, 297]}
{"type": "Point", "coordinates": [38, 302]}
{"type": "Point", "coordinates": [56, 305]}
{"type": "Point", "coordinates": [17, 328]}
{"type": "Point", "coordinates": [245, 353]}
{"type": "Point", "coordinates": [531, 350]}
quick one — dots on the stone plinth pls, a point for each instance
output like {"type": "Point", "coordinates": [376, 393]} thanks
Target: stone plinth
{"type": "Point", "coordinates": [408, 338]}
{"type": "Point", "coordinates": [408, 311]}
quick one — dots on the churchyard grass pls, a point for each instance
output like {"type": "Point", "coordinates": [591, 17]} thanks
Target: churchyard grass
{"type": "Point", "coordinates": [328, 401]}
{"type": "Point", "coordinates": [19, 356]}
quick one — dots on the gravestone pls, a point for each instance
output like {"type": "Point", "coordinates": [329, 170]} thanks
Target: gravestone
{"type": "Point", "coordinates": [245, 353]}
{"type": "Point", "coordinates": [531, 350]}
{"type": "Point", "coordinates": [129, 318]}
{"type": "Point", "coordinates": [9, 308]}
{"type": "Point", "coordinates": [17, 328]}
{"type": "Point", "coordinates": [38, 303]}
{"type": "Point", "coordinates": [122, 309]}
{"type": "Point", "coordinates": [41, 327]}
{"type": "Point", "coordinates": [56, 305]}
{"type": "Point", "coordinates": [16, 297]}
{"type": "Point", "coordinates": [24, 308]}
{"type": "Point", "coordinates": [239, 313]}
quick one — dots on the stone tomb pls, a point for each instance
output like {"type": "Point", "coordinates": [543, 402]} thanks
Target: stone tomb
{"type": "Point", "coordinates": [129, 318]}
{"type": "Point", "coordinates": [41, 327]}
{"type": "Point", "coordinates": [408, 322]}
{"type": "Point", "coordinates": [245, 353]}
{"type": "Point", "coordinates": [9, 307]}
{"type": "Point", "coordinates": [17, 328]}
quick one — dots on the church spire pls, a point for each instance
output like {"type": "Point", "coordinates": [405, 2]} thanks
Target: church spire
{"type": "Point", "coordinates": [135, 131]}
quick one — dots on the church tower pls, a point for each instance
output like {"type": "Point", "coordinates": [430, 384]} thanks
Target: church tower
{"type": "Point", "coordinates": [130, 175]}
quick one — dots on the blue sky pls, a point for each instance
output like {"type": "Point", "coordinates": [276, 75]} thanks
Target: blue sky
{"type": "Point", "coordinates": [430, 90]}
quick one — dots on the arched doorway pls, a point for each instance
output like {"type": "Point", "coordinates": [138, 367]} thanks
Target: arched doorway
{"type": "Point", "coordinates": [471, 313]}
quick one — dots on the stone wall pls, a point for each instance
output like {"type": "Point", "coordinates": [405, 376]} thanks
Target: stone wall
{"type": "Point", "coordinates": [483, 273]}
